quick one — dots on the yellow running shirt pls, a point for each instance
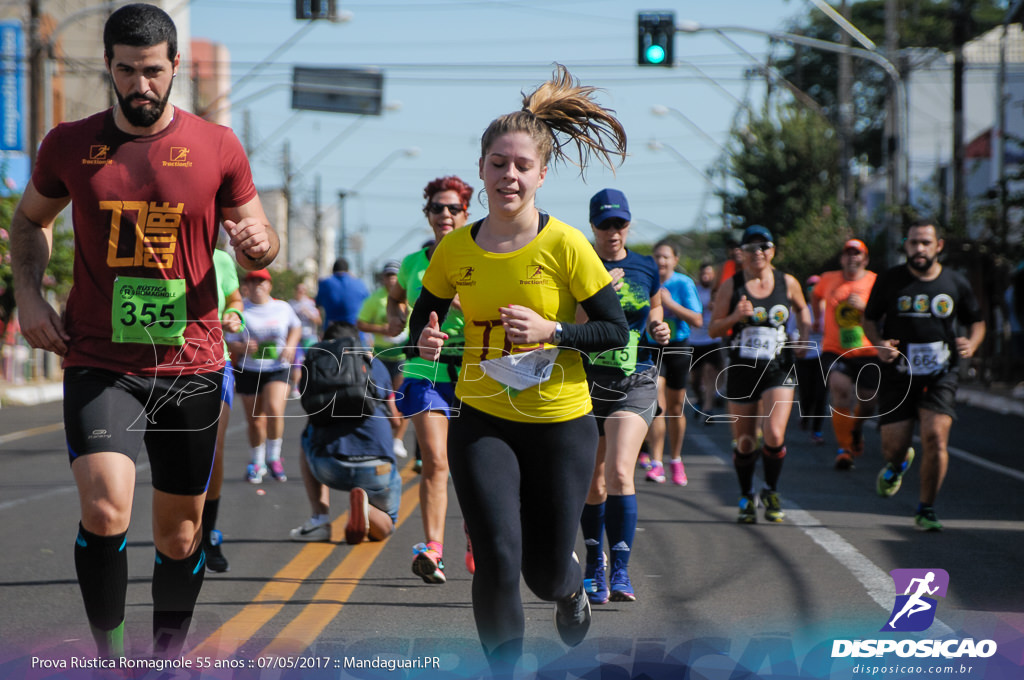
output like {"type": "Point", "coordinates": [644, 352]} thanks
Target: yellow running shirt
{"type": "Point", "coordinates": [549, 275]}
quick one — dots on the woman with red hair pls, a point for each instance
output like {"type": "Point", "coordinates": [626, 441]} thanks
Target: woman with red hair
{"type": "Point", "coordinates": [427, 394]}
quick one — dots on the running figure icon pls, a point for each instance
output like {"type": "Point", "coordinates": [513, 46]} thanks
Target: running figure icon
{"type": "Point", "coordinates": [915, 608]}
{"type": "Point", "coordinates": [915, 604]}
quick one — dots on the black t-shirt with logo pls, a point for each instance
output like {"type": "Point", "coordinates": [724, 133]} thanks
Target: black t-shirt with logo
{"type": "Point", "coordinates": [917, 312]}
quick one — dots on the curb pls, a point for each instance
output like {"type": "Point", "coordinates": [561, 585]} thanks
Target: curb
{"type": "Point", "coordinates": [31, 395]}
{"type": "Point", "coordinates": [991, 402]}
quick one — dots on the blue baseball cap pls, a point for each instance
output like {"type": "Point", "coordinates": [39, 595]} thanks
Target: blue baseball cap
{"type": "Point", "coordinates": [608, 203]}
{"type": "Point", "coordinates": [756, 231]}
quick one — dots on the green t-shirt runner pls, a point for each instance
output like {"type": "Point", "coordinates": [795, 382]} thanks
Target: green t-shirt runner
{"type": "Point", "coordinates": [410, 278]}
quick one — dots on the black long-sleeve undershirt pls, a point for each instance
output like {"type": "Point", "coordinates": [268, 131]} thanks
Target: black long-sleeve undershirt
{"type": "Point", "coordinates": [605, 329]}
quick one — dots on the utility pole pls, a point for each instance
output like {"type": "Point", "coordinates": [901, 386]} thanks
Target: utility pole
{"type": "Point", "coordinates": [895, 195]}
{"type": "Point", "coordinates": [846, 120]}
{"type": "Point", "coordinates": [961, 15]}
{"type": "Point", "coordinates": [286, 191]}
{"type": "Point", "coordinates": [36, 76]}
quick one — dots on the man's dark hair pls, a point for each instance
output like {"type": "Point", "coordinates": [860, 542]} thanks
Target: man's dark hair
{"type": "Point", "coordinates": [340, 265]}
{"type": "Point", "coordinates": [140, 25]}
{"type": "Point", "coordinates": [340, 329]}
{"type": "Point", "coordinates": [926, 221]}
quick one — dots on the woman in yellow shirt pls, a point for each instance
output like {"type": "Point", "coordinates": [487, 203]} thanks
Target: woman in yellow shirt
{"type": "Point", "coordinates": [522, 449]}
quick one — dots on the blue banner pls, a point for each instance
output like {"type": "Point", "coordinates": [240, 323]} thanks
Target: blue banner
{"type": "Point", "coordinates": [12, 90]}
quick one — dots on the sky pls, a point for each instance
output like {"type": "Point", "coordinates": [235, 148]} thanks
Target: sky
{"type": "Point", "coordinates": [451, 66]}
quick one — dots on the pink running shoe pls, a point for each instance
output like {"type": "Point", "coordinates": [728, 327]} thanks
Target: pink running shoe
{"type": "Point", "coordinates": [470, 562]}
{"type": "Point", "coordinates": [657, 473]}
{"type": "Point", "coordinates": [678, 473]}
{"type": "Point", "coordinates": [276, 468]}
{"type": "Point", "coordinates": [644, 461]}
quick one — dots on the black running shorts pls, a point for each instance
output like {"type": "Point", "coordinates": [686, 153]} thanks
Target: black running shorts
{"type": "Point", "coordinates": [900, 397]}
{"type": "Point", "coordinates": [176, 418]}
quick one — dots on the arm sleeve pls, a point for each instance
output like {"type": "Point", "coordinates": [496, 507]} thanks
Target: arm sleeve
{"type": "Point", "coordinates": [427, 303]}
{"type": "Point", "coordinates": [874, 310]}
{"type": "Point", "coordinates": [606, 327]}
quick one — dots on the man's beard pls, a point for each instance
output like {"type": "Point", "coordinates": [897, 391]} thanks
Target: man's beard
{"type": "Point", "coordinates": [143, 116]}
{"type": "Point", "coordinates": [921, 264]}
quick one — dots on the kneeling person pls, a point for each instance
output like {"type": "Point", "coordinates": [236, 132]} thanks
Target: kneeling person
{"type": "Point", "coordinates": [353, 454]}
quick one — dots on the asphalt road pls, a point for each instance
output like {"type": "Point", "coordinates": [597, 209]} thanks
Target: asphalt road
{"type": "Point", "coordinates": [715, 599]}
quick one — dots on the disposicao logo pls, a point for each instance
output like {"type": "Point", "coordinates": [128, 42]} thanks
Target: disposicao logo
{"type": "Point", "coordinates": [916, 590]}
{"type": "Point", "coordinates": [913, 612]}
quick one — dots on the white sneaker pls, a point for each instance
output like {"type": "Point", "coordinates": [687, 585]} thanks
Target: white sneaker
{"type": "Point", "coordinates": [399, 448]}
{"type": "Point", "coordinates": [311, 531]}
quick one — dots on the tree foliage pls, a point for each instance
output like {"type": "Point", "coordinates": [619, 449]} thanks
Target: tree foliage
{"type": "Point", "coordinates": [58, 272]}
{"type": "Point", "coordinates": [921, 23]}
{"type": "Point", "coordinates": [784, 164]}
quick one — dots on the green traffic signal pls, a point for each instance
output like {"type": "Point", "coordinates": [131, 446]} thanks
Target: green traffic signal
{"type": "Point", "coordinates": [655, 54]}
{"type": "Point", "coordinates": [655, 36]}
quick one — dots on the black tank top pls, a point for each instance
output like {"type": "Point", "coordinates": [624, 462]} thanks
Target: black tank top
{"type": "Point", "coordinates": [770, 313]}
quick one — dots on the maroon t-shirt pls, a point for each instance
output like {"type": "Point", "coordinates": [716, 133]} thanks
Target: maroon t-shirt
{"type": "Point", "coordinates": [145, 217]}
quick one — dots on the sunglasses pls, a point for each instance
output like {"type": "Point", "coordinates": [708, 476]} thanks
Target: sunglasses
{"type": "Point", "coordinates": [438, 208]}
{"type": "Point", "coordinates": [612, 223]}
{"type": "Point", "coordinates": [754, 247]}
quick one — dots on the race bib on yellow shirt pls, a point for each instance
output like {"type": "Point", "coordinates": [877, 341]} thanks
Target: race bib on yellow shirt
{"type": "Point", "coordinates": [148, 311]}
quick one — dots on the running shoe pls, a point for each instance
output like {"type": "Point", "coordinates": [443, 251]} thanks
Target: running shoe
{"type": "Point", "coordinates": [622, 589]}
{"type": "Point", "coordinates": [428, 564]}
{"type": "Point", "coordinates": [470, 562]}
{"type": "Point", "coordinates": [594, 583]}
{"type": "Point", "coordinates": [748, 510]}
{"type": "Point", "coordinates": [276, 468]}
{"type": "Point", "coordinates": [657, 473]}
{"type": "Point", "coordinates": [844, 461]}
{"type": "Point", "coordinates": [215, 560]}
{"type": "Point", "coordinates": [772, 509]}
{"type": "Point", "coordinates": [255, 473]}
{"type": "Point", "coordinates": [817, 438]}
{"type": "Point", "coordinates": [925, 520]}
{"type": "Point", "coordinates": [572, 616]}
{"type": "Point", "coordinates": [417, 467]}
{"type": "Point", "coordinates": [644, 461]}
{"type": "Point", "coordinates": [678, 473]}
{"type": "Point", "coordinates": [890, 478]}
{"type": "Point", "coordinates": [398, 447]}
{"type": "Point", "coordinates": [311, 531]}
{"type": "Point", "coordinates": [358, 526]}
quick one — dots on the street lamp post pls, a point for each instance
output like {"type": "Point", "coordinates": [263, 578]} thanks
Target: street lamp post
{"type": "Point", "coordinates": [897, 191]}
{"type": "Point", "coordinates": [408, 152]}
{"type": "Point", "coordinates": [655, 145]}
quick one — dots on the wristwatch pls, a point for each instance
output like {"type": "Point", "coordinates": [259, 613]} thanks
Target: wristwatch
{"type": "Point", "coordinates": [557, 338]}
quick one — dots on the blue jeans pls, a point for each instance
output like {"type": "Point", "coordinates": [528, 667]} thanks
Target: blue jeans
{"type": "Point", "coordinates": [378, 478]}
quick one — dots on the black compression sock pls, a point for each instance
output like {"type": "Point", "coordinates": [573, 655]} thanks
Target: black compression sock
{"type": "Point", "coordinates": [176, 586]}
{"type": "Point", "coordinates": [101, 563]}
{"type": "Point", "coordinates": [210, 508]}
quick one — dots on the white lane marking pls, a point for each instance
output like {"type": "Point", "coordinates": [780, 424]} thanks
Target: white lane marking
{"type": "Point", "coordinates": [876, 582]}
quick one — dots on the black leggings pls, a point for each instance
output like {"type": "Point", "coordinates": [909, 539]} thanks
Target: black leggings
{"type": "Point", "coordinates": [521, 487]}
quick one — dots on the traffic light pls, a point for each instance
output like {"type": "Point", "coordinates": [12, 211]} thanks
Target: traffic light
{"type": "Point", "coordinates": [316, 9]}
{"type": "Point", "coordinates": [656, 33]}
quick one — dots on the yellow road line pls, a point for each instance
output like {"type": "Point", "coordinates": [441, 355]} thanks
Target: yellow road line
{"type": "Point", "coordinates": [22, 434]}
{"type": "Point", "coordinates": [306, 627]}
{"type": "Point", "coordinates": [282, 586]}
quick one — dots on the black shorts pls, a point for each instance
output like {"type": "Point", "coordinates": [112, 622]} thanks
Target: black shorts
{"type": "Point", "coordinates": [676, 358]}
{"type": "Point", "coordinates": [250, 382]}
{"type": "Point", "coordinates": [900, 396]}
{"type": "Point", "coordinates": [636, 393]}
{"type": "Point", "coordinates": [713, 354]}
{"type": "Point", "coordinates": [864, 371]}
{"type": "Point", "coordinates": [746, 380]}
{"type": "Point", "coordinates": [176, 417]}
